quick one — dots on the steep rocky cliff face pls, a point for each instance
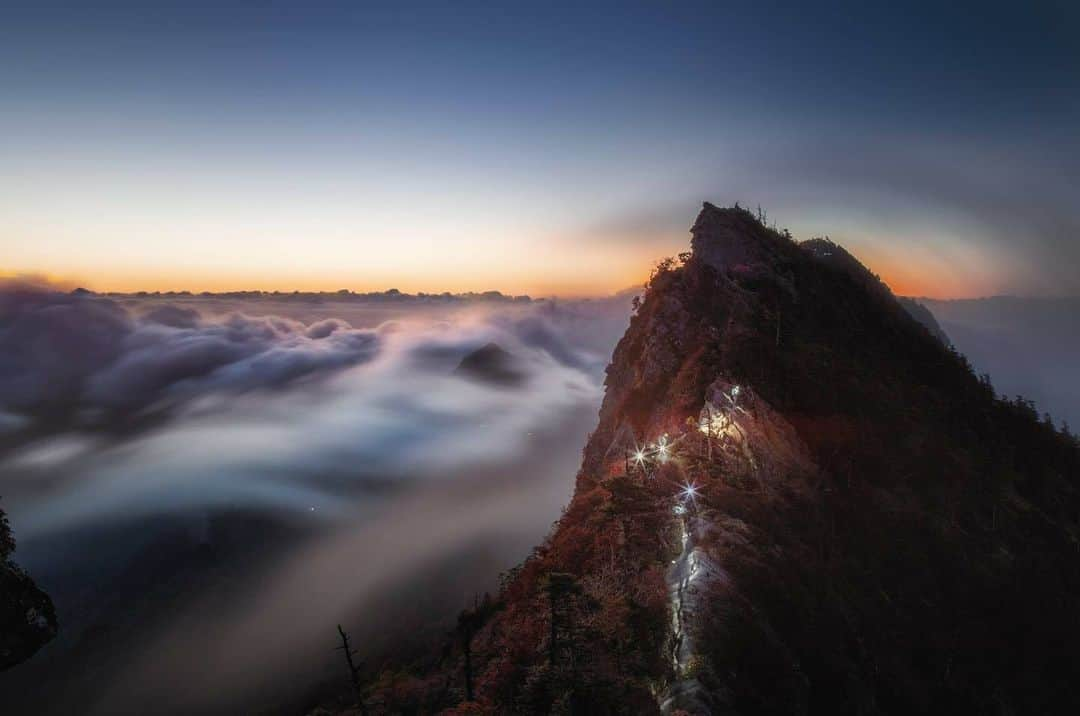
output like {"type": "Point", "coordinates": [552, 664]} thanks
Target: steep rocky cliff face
{"type": "Point", "coordinates": [797, 500]}
{"type": "Point", "coordinates": [27, 618]}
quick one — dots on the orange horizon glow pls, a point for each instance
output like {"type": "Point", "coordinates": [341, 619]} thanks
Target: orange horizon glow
{"type": "Point", "coordinates": [212, 282]}
{"type": "Point", "coordinates": [911, 269]}
{"type": "Point", "coordinates": [921, 282]}
{"type": "Point", "coordinates": [537, 263]}
{"type": "Point", "coordinates": [924, 280]}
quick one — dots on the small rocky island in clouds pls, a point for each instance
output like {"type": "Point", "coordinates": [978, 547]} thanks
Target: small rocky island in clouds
{"type": "Point", "coordinates": [492, 363]}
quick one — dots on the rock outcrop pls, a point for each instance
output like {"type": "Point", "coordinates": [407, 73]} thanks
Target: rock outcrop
{"type": "Point", "coordinates": [492, 364]}
{"type": "Point", "coordinates": [27, 617]}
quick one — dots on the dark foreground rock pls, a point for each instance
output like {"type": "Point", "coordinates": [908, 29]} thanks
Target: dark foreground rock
{"type": "Point", "coordinates": [27, 617]}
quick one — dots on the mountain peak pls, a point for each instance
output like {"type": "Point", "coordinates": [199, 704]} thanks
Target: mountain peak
{"type": "Point", "coordinates": [795, 500]}
{"type": "Point", "coordinates": [723, 237]}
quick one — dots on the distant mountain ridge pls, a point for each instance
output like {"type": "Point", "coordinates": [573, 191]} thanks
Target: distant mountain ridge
{"type": "Point", "coordinates": [389, 295]}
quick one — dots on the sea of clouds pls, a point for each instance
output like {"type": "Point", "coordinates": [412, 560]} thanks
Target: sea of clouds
{"type": "Point", "coordinates": [221, 482]}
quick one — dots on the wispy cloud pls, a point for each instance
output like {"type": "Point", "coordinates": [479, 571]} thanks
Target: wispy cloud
{"type": "Point", "coordinates": [366, 440]}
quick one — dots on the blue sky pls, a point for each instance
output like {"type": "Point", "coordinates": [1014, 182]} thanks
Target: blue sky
{"type": "Point", "coordinates": [548, 149]}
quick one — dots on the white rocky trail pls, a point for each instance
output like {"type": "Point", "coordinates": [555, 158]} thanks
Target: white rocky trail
{"type": "Point", "coordinates": [683, 578]}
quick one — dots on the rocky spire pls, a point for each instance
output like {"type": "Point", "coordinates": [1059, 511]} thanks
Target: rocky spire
{"type": "Point", "coordinates": [726, 237]}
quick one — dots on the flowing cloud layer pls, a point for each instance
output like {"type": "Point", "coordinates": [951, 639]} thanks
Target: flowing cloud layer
{"type": "Point", "coordinates": [321, 464]}
{"type": "Point", "coordinates": [65, 353]}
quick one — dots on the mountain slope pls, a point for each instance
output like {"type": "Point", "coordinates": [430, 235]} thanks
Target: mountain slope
{"type": "Point", "coordinates": [796, 500]}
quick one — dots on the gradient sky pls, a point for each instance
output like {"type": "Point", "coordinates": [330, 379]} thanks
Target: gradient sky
{"type": "Point", "coordinates": [539, 148]}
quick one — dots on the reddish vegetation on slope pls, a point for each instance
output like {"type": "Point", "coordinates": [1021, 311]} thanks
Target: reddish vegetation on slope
{"type": "Point", "coordinates": [881, 534]}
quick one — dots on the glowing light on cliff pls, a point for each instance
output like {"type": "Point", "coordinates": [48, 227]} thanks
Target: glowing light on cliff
{"type": "Point", "coordinates": [690, 491]}
{"type": "Point", "coordinates": [714, 422]}
{"type": "Point", "coordinates": [663, 449]}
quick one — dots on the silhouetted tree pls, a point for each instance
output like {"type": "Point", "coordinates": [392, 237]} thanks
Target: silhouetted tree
{"type": "Point", "coordinates": [468, 623]}
{"type": "Point", "coordinates": [7, 541]}
{"type": "Point", "coordinates": [354, 670]}
{"type": "Point", "coordinates": [561, 589]}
